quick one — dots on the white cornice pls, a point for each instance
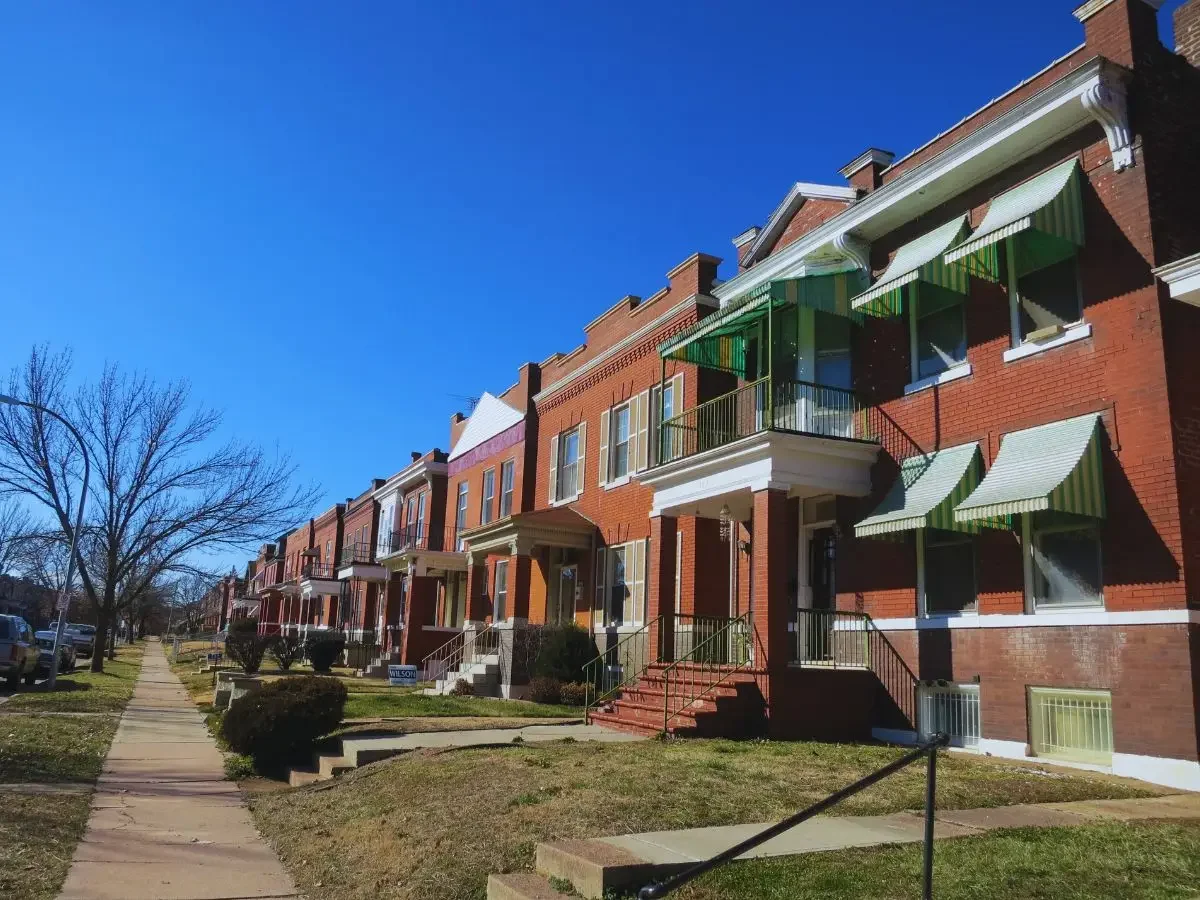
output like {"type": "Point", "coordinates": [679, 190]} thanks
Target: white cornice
{"type": "Point", "coordinates": [801, 192]}
{"type": "Point", "coordinates": [623, 344]}
{"type": "Point", "coordinates": [420, 470]}
{"type": "Point", "coordinates": [1046, 117]}
{"type": "Point", "coordinates": [873, 155]}
{"type": "Point", "coordinates": [1089, 9]}
{"type": "Point", "coordinates": [1182, 277]}
{"type": "Point", "coordinates": [746, 237]}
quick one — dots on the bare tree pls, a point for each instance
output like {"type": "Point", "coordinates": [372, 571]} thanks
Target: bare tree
{"type": "Point", "coordinates": [164, 491]}
{"type": "Point", "coordinates": [16, 531]}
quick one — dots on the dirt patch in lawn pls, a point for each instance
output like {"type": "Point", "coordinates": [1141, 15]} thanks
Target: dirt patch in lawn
{"type": "Point", "coordinates": [396, 829]}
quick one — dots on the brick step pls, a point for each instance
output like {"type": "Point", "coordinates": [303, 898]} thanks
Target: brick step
{"type": "Point", "coordinates": [656, 696]}
{"type": "Point", "coordinates": [622, 723]}
{"type": "Point", "coordinates": [650, 713]}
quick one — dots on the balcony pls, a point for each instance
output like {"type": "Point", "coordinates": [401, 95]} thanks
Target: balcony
{"type": "Point", "coordinates": [317, 578]}
{"type": "Point", "coordinates": [416, 538]}
{"type": "Point", "coordinates": [359, 560]}
{"type": "Point", "coordinates": [425, 547]}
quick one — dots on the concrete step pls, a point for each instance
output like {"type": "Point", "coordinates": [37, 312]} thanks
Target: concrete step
{"type": "Point", "coordinates": [299, 777]}
{"type": "Point", "coordinates": [596, 868]}
{"type": "Point", "coordinates": [330, 765]}
{"type": "Point", "coordinates": [522, 886]}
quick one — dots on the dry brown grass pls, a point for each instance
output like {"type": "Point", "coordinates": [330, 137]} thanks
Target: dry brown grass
{"type": "Point", "coordinates": [435, 825]}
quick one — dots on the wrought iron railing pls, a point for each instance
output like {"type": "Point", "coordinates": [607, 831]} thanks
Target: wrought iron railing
{"type": "Point", "coordinates": [778, 404]}
{"type": "Point", "coordinates": [362, 553]}
{"type": "Point", "coordinates": [465, 647]}
{"type": "Point", "coordinates": [417, 537]}
{"type": "Point", "coordinates": [318, 570]}
{"type": "Point", "coordinates": [696, 675]}
{"type": "Point", "coordinates": [927, 750]}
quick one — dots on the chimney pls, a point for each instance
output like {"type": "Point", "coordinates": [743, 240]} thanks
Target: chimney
{"type": "Point", "coordinates": [1187, 32]}
{"type": "Point", "coordinates": [1121, 30]}
{"type": "Point", "coordinates": [865, 172]}
{"type": "Point", "coordinates": [416, 455]}
{"type": "Point", "coordinates": [695, 275]}
{"type": "Point", "coordinates": [743, 242]}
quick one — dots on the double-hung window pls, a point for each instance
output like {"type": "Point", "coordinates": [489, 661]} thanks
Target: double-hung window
{"type": "Point", "coordinates": [411, 526]}
{"type": "Point", "coordinates": [663, 411]}
{"type": "Point", "coordinates": [500, 592]}
{"type": "Point", "coordinates": [1046, 301]}
{"type": "Point", "coordinates": [421, 513]}
{"type": "Point", "coordinates": [489, 496]}
{"type": "Point", "coordinates": [1065, 561]}
{"type": "Point", "coordinates": [621, 584]}
{"type": "Point", "coordinates": [937, 330]}
{"type": "Point", "coordinates": [568, 465]}
{"type": "Point", "coordinates": [948, 572]}
{"type": "Point", "coordinates": [619, 461]}
{"type": "Point", "coordinates": [506, 488]}
{"type": "Point", "coordinates": [460, 518]}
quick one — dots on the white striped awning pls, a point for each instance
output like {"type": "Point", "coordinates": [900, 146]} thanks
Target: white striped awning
{"type": "Point", "coordinates": [926, 491]}
{"type": "Point", "coordinates": [919, 260]}
{"type": "Point", "coordinates": [1055, 466]}
{"type": "Point", "coordinates": [1046, 210]}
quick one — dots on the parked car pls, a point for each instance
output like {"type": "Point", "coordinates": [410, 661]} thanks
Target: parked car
{"type": "Point", "coordinates": [66, 653]}
{"type": "Point", "coordinates": [84, 638]}
{"type": "Point", "coordinates": [18, 651]}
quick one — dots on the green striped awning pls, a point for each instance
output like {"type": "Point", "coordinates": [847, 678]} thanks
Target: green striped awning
{"type": "Point", "coordinates": [716, 341]}
{"type": "Point", "coordinates": [926, 492]}
{"type": "Point", "coordinates": [1045, 215]}
{"type": "Point", "coordinates": [1055, 466]}
{"type": "Point", "coordinates": [919, 260]}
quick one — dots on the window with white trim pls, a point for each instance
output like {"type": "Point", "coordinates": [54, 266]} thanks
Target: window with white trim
{"type": "Point", "coordinates": [500, 592]}
{"type": "Point", "coordinates": [664, 411]}
{"type": "Point", "coordinates": [568, 465]}
{"type": "Point", "coordinates": [506, 487]}
{"type": "Point", "coordinates": [460, 518]}
{"type": "Point", "coordinates": [937, 330]}
{"type": "Point", "coordinates": [1044, 300]}
{"type": "Point", "coordinates": [946, 561]}
{"type": "Point", "coordinates": [952, 709]}
{"type": "Point", "coordinates": [1071, 725]}
{"type": "Point", "coordinates": [424, 495]}
{"type": "Point", "coordinates": [489, 496]}
{"type": "Point", "coordinates": [1065, 563]}
{"type": "Point", "coordinates": [619, 442]}
{"type": "Point", "coordinates": [621, 584]}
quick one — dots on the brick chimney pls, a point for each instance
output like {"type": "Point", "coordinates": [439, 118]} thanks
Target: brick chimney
{"type": "Point", "coordinates": [1124, 31]}
{"type": "Point", "coordinates": [1187, 32]}
{"type": "Point", "coordinates": [865, 172]}
{"type": "Point", "coordinates": [695, 275]}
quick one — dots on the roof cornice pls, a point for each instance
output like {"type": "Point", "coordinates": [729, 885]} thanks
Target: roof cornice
{"type": "Point", "coordinates": [1049, 115]}
{"type": "Point", "coordinates": [420, 470]}
{"type": "Point", "coordinates": [801, 192]}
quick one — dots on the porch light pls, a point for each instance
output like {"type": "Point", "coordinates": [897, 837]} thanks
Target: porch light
{"type": "Point", "coordinates": [726, 523]}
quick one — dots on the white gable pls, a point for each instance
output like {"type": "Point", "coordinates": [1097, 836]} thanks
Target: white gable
{"type": "Point", "coordinates": [491, 417]}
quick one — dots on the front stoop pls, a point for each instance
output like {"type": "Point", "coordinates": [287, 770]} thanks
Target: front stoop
{"type": "Point", "coordinates": [328, 764]}
{"type": "Point", "coordinates": [731, 708]}
{"type": "Point", "coordinates": [591, 867]}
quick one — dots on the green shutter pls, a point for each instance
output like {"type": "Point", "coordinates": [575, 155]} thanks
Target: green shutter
{"type": "Point", "coordinates": [919, 260]}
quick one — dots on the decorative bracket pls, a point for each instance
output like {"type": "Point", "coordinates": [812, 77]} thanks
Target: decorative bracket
{"type": "Point", "coordinates": [1104, 99]}
{"type": "Point", "coordinates": [854, 249]}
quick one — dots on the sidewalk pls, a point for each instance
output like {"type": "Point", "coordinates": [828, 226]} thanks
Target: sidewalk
{"type": "Point", "coordinates": [165, 824]}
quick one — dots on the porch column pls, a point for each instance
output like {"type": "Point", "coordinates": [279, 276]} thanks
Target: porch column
{"type": "Point", "coordinates": [520, 572]}
{"type": "Point", "coordinates": [477, 604]}
{"type": "Point", "coordinates": [660, 581]}
{"type": "Point", "coordinates": [422, 610]}
{"type": "Point", "coordinates": [769, 602]}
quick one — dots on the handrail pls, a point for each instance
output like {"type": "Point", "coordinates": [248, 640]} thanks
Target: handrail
{"type": "Point", "coordinates": [453, 656]}
{"type": "Point", "coordinates": [594, 670]}
{"type": "Point", "coordinates": [715, 655]}
{"type": "Point", "coordinates": [657, 890]}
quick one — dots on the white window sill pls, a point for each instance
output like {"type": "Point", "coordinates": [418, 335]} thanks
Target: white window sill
{"type": "Point", "coordinates": [567, 501]}
{"type": "Point", "coordinates": [1031, 348]}
{"type": "Point", "coordinates": [617, 482]}
{"type": "Point", "coordinates": [960, 371]}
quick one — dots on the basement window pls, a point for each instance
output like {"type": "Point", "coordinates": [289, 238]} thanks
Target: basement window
{"type": "Point", "coordinates": [951, 709]}
{"type": "Point", "coordinates": [1071, 725]}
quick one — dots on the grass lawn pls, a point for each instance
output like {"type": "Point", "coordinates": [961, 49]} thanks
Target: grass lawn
{"type": "Point", "coordinates": [53, 748]}
{"type": "Point", "coordinates": [395, 829]}
{"type": "Point", "coordinates": [1157, 860]}
{"type": "Point", "coordinates": [411, 702]}
{"type": "Point", "coordinates": [38, 834]}
{"type": "Point", "coordinates": [83, 690]}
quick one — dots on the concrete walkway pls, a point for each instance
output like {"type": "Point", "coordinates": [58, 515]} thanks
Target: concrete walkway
{"type": "Point", "coordinates": [165, 824]}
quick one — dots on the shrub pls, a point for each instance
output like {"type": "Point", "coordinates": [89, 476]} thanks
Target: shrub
{"type": "Point", "coordinates": [462, 688]}
{"type": "Point", "coordinates": [238, 766]}
{"type": "Point", "coordinates": [286, 649]}
{"type": "Point", "coordinates": [244, 626]}
{"type": "Point", "coordinates": [573, 694]}
{"type": "Point", "coordinates": [543, 689]}
{"type": "Point", "coordinates": [281, 722]}
{"type": "Point", "coordinates": [564, 652]}
{"type": "Point", "coordinates": [323, 651]}
{"type": "Point", "coordinates": [247, 650]}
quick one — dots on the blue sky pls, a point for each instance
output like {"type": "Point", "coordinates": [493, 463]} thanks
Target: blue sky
{"type": "Point", "coordinates": [332, 218]}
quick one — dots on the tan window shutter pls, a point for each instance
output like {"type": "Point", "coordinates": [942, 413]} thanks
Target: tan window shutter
{"type": "Point", "coordinates": [598, 577]}
{"type": "Point", "coordinates": [603, 466]}
{"type": "Point", "coordinates": [554, 468]}
{"type": "Point", "coordinates": [643, 427]}
{"type": "Point", "coordinates": [676, 409]}
{"type": "Point", "coordinates": [637, 593]}
{"type": "Point", "coordinates": [579, 464]}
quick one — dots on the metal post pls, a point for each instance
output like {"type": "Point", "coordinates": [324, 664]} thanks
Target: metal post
{"type": "Point", "coordinates": [930, 793]}
{"type": "Point", "coordinates": [662, 409]}
{"type": "Point", "coordinates": [770, 364]}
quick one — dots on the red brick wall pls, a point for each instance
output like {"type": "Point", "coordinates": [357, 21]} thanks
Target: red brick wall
{"type": "Point", "coordinates": [811, 214]}
{"type": "Point", "coordinates": [1187, 31]}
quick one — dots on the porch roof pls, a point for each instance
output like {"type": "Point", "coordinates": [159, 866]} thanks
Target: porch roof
{"type": "Point", "coordinates": [558, 526]}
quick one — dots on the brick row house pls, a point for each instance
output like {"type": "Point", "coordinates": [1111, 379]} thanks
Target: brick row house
{"type": "Point", "coordinates": [925, 462]}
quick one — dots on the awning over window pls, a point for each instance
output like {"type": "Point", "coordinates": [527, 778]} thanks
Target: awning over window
{"type": "Point", "coordinates": [716, 342]}
{"type": "Point", "coordinates": [1045, 215]}
{"type": "Point", "coordinates": [919, 260]}
{"type": "Point", "coordinates": [1055, 466]}
{"type": "Point", "coordinates": [926, 492]}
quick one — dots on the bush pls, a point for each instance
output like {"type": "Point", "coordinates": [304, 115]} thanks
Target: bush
{"type": "Point", "coordinates": [323, 651]}
{"type": "Point", "coordinates": [564, 652]}
{"type": "Point", "coordinates": [244, 626]}
{"type": "Point", "coordinates": [573, 694]}
{"type": "Point", "coordinates": [238, 767]}
{"type": "Point", "coordinates": [247, 650]}
{"type": "Point", "coordinates": [286, 649]}
{"type": "Point", "coordinates": [543, 689]}
{"type": "Point", "coordinates": [281, 722]}
{"type": "Point", "coordinates": [462, 688]}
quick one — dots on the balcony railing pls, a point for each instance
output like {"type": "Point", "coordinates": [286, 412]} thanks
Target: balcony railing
{"type": "Point", "coordinates": [417, 537]}
{"type": "Point", "coordinates": [358, 553]}
{"type": "Point", "coordinates": [319, 570]}
{"type": "Point", "coordinates": [769, 404]}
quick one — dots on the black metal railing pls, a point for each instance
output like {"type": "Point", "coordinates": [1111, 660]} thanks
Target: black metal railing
{"type": "Point", "coordinates": [318, 570]}
{"type": "Point", "coordinates": [417, 537]}
{"type": "Point", "coordinates": [928, 750]}
{"type": "Point", "coordinates": [778, 404]}
{"type": "Point", "coordinates": [358, 552]}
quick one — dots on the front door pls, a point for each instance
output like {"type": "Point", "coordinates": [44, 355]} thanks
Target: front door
{"type": "Point", "coordinates": [822, 558]}
{"type": "Point", "coordinates": [564, 607]}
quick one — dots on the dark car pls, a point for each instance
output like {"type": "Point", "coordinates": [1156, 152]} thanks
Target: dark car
{"type": "Point", "coordinates": [18, 651]}
{"type": "Point", "coordinates": [84, 638]}
{"type": "Point", "coordinates": [66, 653]}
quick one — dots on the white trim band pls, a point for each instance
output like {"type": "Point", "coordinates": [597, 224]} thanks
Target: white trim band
{"type": "Point", "coordinates": [1066, 618]}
